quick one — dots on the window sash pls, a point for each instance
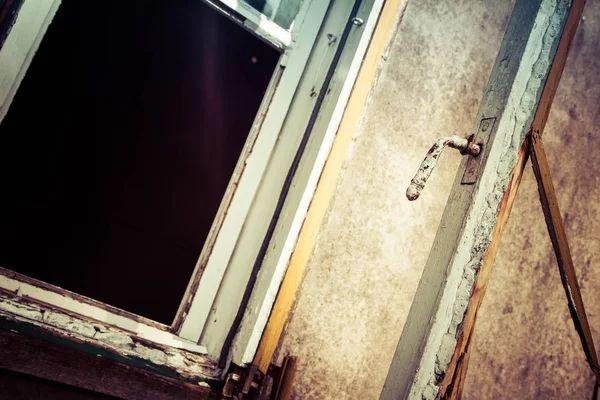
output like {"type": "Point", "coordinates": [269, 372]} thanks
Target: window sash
{"type": "Point", "coordinates": [275, 263]}
{"type": "Point", "coordinates": [258, 22]}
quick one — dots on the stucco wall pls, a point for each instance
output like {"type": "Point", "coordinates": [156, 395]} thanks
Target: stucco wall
{"type": "Point", "coordinates": [373, 245]}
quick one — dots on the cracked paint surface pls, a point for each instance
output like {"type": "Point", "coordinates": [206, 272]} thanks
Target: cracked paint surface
{"type": "Point", "coordinates": [187, 365]}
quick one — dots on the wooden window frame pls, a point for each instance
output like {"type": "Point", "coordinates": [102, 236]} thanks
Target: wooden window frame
{"type": "Point", "coordinates": [245, 184]}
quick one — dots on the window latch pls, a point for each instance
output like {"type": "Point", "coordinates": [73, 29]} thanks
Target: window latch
{"type": "Point", "coordinates": [466, 146]}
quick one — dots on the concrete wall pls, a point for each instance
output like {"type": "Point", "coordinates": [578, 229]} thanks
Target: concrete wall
{"type": "Point", "coordinates": [373, 245]}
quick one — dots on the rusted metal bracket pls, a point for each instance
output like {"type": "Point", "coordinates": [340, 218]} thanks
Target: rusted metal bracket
{"type": "Point", "coordinates": [251, 384]}
{"type": "Point", "coordinates": [466, 146]}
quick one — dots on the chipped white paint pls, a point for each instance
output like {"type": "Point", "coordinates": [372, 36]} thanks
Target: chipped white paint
{"type": "Point", "coordinates": [108, 338]}
{"type": "Point", "coordinates": [20, 46]}
{"type": "Point", "coordinates": [444, 294]}
{"type": "Point", "coordinates": [234, 283]}
{"type": "Point", "coordinates": [273, 269]}
{"type": "Point", "coordinates": [151, 333]}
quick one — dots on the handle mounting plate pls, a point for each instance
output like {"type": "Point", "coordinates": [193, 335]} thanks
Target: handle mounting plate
{"type": "Point", "coordinates": [486, 126]}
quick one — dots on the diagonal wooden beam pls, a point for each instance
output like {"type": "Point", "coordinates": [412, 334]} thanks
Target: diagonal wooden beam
{"type": "Point", "coordinates": [432, 354]}
{"type": "Point", "coordinates": [558, 236]}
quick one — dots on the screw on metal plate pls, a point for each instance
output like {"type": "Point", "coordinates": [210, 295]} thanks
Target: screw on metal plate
{"type": "Point", "coordinates": [486, 126]}
{"type": "Point", "coordinates": [466, 147]}
{"type": "Point", "coordinates": [357, 21]}
{"type": "Point", "coordinates": [331, 39]}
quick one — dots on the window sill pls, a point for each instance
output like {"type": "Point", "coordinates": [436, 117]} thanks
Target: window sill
{"type": "Point", "coordinates": [24, 316]}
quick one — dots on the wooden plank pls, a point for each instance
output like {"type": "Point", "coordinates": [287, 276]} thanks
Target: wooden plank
{"type": "Point", "coordinates": [39, 358]}
{"type": "Point", "coordinates": [522, 84]}
{"type": "Point", "coordinates": [558, 236]}
{"type": "Point", "coordinates": [389, 17]}
{"type": "Point", "coordinates": [74, 302]}
{"type": "Point", "coordinates": [286, 382]}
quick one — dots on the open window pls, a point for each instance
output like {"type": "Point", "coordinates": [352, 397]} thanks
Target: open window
{"type": "Point", "coordinates": [145, 148]}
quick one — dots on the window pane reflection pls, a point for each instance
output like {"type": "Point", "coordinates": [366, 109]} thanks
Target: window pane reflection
{"type": "Point", "coordinates": [282, 12]}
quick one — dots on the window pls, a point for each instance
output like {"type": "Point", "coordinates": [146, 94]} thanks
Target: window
{"type": "Point", "coordinates": [146, 159]}
{"type": "Point", "coordinates": [137, 132]}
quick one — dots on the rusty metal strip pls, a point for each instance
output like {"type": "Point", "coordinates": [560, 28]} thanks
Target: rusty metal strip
{"type": "Point", "coordinates": [558, 237]}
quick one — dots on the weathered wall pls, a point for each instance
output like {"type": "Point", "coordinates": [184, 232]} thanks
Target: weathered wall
{"type": "Point", "coordinates": [374, 243]}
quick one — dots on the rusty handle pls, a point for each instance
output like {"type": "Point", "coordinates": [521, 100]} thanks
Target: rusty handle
{"type": "Point", "coordinates": [417, 183]}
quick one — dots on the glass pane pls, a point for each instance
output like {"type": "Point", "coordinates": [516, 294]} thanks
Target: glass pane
{"type": "Point", "coordinates": [282, 12]}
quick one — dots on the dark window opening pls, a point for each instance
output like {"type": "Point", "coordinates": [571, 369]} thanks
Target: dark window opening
{"type": "Point", "coordinates": [120, 143]}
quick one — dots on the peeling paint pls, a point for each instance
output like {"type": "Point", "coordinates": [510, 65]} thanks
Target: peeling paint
{"type": "Point", "coordinates": [105, 338]}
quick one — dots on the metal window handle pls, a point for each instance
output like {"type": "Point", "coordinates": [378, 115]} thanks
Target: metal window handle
{"type": "Point", "coordinates": [466, 147]}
